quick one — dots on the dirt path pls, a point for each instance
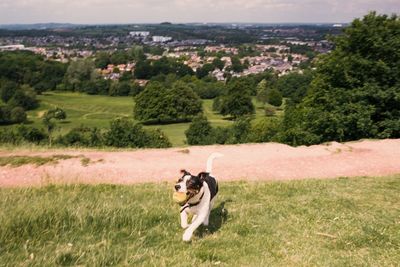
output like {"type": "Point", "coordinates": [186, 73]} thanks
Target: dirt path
{"type": "Point", "coordinates": [241, 162]}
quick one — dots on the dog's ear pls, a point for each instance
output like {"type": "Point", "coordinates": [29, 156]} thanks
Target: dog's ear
{"type": "Point", "coordinates": [184, 172]}
{"type": "Point", "coordinates": [194, 183]}
{"type": "Point", "coordinates": [203, 175]}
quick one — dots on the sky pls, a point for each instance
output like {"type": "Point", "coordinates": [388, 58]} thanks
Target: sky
{"type": "Point", "coordinates": [180, 11]}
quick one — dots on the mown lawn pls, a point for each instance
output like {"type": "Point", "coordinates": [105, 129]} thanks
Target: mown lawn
{"type": "Point", "coordinates": [341, 222]}
{"type": "Point", "coordinates": [98, 111]}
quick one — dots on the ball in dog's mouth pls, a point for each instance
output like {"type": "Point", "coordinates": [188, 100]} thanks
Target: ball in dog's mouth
{"type": "Point", "coordinates": [179, 197]}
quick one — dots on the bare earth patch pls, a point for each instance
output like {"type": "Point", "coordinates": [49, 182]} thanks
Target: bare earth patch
{"type": "Point", "coordinates": [241, 162]}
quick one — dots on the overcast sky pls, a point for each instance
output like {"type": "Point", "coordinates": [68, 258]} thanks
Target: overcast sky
{"type": "Point", "coordinates": [143, 11]}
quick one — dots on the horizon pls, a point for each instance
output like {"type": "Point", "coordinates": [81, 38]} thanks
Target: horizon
{"type": "Point", "coordinates": [179, 23]}
{"type": "Point", "coordinates": [95, 12]}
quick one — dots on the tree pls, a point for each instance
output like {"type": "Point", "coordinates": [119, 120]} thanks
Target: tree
{"type": "Point", "coordinates": [295, 85]}
{"type": "Point", "coordinates": [237, 102]}
{"type": "Point", "coordinates": [102, 60]}
{"type": "Point", "coordinates": [78, 71]}
{"type": "Point", "coordinates": [7, 90]}
{"type": "Point", "coordinates": [262, 91]}
{"type": "Point", "coordinates": [274, 97]}
{"type": "Point", "coordinates": [199, 132]}
{"type": "Point", "coordinates": [143, 70]}
{"type": "Point", "coordinates": [158, 104]}
{"type": "Point", "coordinates": [204, 70]}
{"type": "Point", "coordinates": [49, 120]}
{"type": "Point", "coordinates": [120, 89]}
{"type": "Point", "coordinates": [218, 63]}
{"type": "Point", "coordinates": [356, 90]}
{"type": "Point", "coordinates": [236, 64]}
{"type": "Point", "coordinates": [24, 97]}
{"type": "Point", "coordinates": [137, 53]}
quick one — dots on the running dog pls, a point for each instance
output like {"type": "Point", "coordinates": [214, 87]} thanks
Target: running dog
{"type": "Point", "coordinates": [199, 194]}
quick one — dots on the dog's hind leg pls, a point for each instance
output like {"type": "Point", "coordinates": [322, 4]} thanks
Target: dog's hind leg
{"type": "Point", "coordinates": [207, 219]}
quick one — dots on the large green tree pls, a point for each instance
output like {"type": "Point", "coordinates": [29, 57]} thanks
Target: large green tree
{"type": "Point", "coordinates": [356, 91]}
{"type": "Point", "coordinates": [237, 100]}
{"type": "Point", "coordinates": [161, 104]}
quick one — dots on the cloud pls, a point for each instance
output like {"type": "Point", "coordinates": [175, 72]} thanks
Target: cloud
{"type": "Point", "coordinates": [129, 11]}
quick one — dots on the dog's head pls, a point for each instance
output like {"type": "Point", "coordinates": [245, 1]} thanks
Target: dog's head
{"type": "Point", "coordinates": [189, 184]}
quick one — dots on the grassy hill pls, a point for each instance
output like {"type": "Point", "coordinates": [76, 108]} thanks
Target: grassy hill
{"type": "Point", "coordinates": [97, 111]}
{"type": "Point", "coordinates": [341, 222]}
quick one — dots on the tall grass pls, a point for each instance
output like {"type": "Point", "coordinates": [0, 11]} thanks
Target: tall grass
{"type": "Point", "coordinates": [342, 222]}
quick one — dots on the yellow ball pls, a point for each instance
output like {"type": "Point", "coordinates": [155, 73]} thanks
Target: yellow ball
{"type": "Point", "coordinates": [179, 197]}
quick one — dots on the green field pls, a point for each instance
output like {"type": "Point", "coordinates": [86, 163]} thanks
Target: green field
{"type": "Point", "coordinates": [97, 111]}
{"type": "Point", "coordinates": [341, 222]}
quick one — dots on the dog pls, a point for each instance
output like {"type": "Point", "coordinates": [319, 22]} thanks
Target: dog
{"type": "Point", "coordinates": [200, 191]}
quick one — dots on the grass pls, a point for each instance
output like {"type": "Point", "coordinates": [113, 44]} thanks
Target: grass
{"type": "Point", "coordinates": [98, 111]}
{"type": "Point", "coordinates": [342, 222]}
{"type": "Point", "coordinates": [17, 161]}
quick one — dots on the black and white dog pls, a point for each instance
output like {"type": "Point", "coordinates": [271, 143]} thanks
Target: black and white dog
{"type": "Point", "coordinates": [200, 193]}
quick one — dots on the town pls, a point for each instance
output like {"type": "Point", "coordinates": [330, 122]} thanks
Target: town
{"type": "Point", "coordinates": [280, 48]}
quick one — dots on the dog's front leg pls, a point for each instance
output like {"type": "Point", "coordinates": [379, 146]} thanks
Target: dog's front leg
{"type": "Point", "coordinates": [195, 224]}
{"type": "Point", "coordinates": [184, 219]}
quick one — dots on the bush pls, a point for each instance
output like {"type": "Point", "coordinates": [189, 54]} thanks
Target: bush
{"type": "Point", "coordinates": [122, 88]}
{"type": "Point", "coordinates": [8, 136]}
{"type": "Point", "coordinates": [157, 139]}
{"type": "Point", "coordinates": [18, 115]}
{"type": "Point", "coordinates": [31, 134]}
{"type": "Point", "coordinates": [221, 135]}
{"type": "Point", "coordinates": [126, 133]}
{"type": "Point", "coordinates": [239, 131]}
{"type": "Point", "coordinates": [200, 132]}
{"type": "Point", "coordinates": [265, 130]}
{"type": "Point", "coordinates": [22, 134]}
{"type": "Point", "coordinates": [24, 97]}
{"type": "Point", "coordinates": [82, 137]}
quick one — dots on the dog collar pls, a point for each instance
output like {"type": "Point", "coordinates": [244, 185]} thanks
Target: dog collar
{"type": "Point", "coordinates": [189, 205]}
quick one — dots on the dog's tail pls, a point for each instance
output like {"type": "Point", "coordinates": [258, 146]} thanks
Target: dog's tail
{"type": "Point", "coordinates": [210, 161]}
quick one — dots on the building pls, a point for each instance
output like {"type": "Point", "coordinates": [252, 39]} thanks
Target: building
{"type": "Point", "coordinates": [12, 47]}
{"type": "Point", "coordinates": [139, 34]}
{"type": "Point", "coordinates": [161, 39]}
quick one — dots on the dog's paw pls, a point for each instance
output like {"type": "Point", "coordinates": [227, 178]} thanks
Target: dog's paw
{"type": "Point", "coordinates": [187, 236]}
{"type": "Point", "coordinates": [184, 226]}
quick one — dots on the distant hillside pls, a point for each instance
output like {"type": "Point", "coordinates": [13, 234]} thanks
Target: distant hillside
{"type": "Point", "coordinates": [38, 26]}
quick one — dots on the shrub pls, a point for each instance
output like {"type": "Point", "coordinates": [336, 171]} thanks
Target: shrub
{"type": "Point", "coordinates": [239, 131]}
{"type": "Point", "coordinates": [200, 132]}
{"type": "Point", "coordinates": [221, 135]}
{"type": "Point", "coordinates": [18, 115]}
{"type": "Point", "coordinates": [157, 139]}
{"type": "Point", "coordinates": [8, 136]}
{"type": "Point", "coordinates": [82, 136]}
{"type": "Point", "coordinates": [24, 97]}
{"type": "Point", "coordinates": [264, 131]}
{"type": "Point", "coordinates": [124, 132]}
{"type": "Point", "coordinates": [31, 134]}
